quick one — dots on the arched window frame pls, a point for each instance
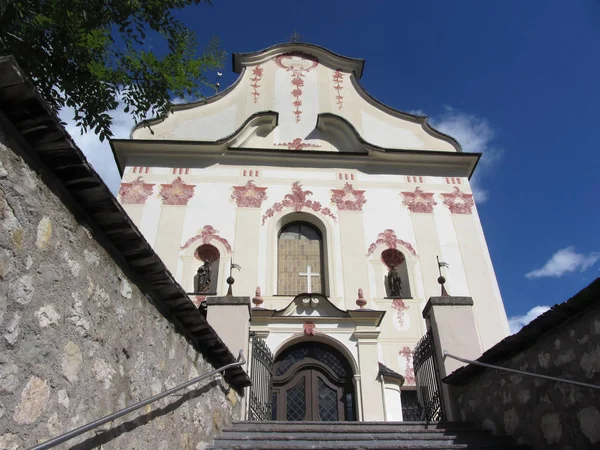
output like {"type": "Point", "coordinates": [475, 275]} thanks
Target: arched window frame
{"type": "Point", "coordinates": [330, 256]}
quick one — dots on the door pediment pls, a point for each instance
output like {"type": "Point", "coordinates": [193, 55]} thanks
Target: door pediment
{"type": "Point", "coordinates": [310, 305]}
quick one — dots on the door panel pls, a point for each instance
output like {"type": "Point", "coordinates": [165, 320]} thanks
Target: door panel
{"type": "Point", "coordinates": [310, 396]}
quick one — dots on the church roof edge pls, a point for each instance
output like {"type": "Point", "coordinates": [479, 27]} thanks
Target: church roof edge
{"type": "Point", "coordinates": [354, 65]}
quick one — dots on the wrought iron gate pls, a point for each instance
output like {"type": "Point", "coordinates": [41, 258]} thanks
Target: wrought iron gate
{"type": "Point", "coordinates": [427, 377]}
{"type": "Point", "coordinates": [261, 373]}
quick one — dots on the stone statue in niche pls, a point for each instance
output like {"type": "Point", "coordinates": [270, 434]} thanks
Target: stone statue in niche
{"type": "Point", "coordinates": [202, 278]}
{"type": "Point", "coordinates": [394, 282]}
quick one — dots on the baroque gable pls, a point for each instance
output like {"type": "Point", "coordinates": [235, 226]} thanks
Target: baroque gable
{"type": "Point", "coordinates": [299, 82]}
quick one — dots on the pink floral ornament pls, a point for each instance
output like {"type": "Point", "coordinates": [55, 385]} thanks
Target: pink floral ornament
{"type": "Point", "coordinates": [136, 192]}
{"type": "Point", "coordinates": [205, 236]}
{"type": "Point", "coordinates": [409, 371]}
{"type": "Point", "coordinates": [176, 193]}
{"type": "Point", "coordinates": [400, 307]}
{"type": "Point", "coordinates": [249, 196]}
{"type": "Point", "coordinates": [309, 329]}
{"type": "Point", "coordinates": [389, 239]}
{"type": "Point", "coordinates": [338, 79]}
{"type": "Point", "coordinates": [458, 202]}
{"type": "Point", "coordinates": [297, 200]}
{"type": "Point", "coordinates": [348, 198]}
{"type": "Point", "coordinates": [297, 144]}
{"type": "Point", "coordinates": [298, 64]}
{"type": "Point", "coordinates": [257, 74]}
{"type": "Point", "coordinates": [419, 201]}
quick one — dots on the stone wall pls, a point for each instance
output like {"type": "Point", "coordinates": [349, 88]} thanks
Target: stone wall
{"type": "Point", "coordinates": [544, 414]}
{"type": "Point", "coordinates": [78, 340]}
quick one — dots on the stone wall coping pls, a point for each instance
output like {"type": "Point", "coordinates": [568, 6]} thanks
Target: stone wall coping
{"type": "Point", "coordinates": [229, 301]}
{"type": "Point", "coordinates": [530, 334]}
{"type": "Point", "coordinates": [47, 148]}
{"type": "Point", "coordinates": [446, 301]}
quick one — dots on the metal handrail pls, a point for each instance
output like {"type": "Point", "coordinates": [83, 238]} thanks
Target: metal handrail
{"type": "Point", "coordinates": [521, 372]}
{"type": "Point", "coordinates": [78, 431]}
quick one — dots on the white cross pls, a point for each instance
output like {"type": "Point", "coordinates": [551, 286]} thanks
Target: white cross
{"type": "Point", "coordinates": [308, 274]}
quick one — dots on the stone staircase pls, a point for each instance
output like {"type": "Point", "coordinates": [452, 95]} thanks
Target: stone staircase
{"type": "Point", "coordinates": [358, 435]}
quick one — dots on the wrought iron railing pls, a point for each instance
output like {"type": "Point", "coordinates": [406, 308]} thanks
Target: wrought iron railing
{"type": "Point", "coordinates": [261, 373]}
{"type": "Point", "coordinates": [428, 381]}
{"type": "Point", "coordinates": [90, 426]}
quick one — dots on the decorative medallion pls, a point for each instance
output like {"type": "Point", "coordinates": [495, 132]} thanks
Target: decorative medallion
{"type": "Point", "coordinates": [257, 74]}
{"type": "Point", "coordinates": [249, 196]}
{"type": "Point", "coordinates": [419, 201]}
{"type": "Point", "coordinates": [297, 144]}
{"type": "Point", "coordinates": [309, 329]}
{"type": "Point", "coordinates": [348, 198]}
{"type": "Point", "coordinates": [409, 371]}
{"type": "Point", "coordinates": [297, 200]}
{"type": "Point", "coordinates": [389, 239]}
{"type": "Point", "coordinates": [400, 307]}
{"type": "Point", "coordinates": [458, 202]}
{"type": "Point", "coordinates": [298, 64]}
{"type": "Point", "coordinates": [392, 257]}
{"type": "Point", "coordinates": [136, 192]}
{"type": "Point", "coordinates": [338, 79]}
{"type": "Point", "coordinates": [176, 193]}
{"type": "Point", "coordinates": [206, 235]}
{"type": "Point", "coordinates": [207, 253]}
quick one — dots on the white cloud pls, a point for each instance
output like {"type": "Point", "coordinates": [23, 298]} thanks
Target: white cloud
{"type": "Point", "coordinates": [475, 134]}
{"type": "Point", "coordinates": [99, 154]}
{"type": "Point", "coordinates": [517, 322]}
{"type": "Point", "coordinates": [565, 261]}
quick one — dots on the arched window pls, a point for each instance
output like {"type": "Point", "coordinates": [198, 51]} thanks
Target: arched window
{"type": "Point", "coordinates": [300, 259]}
{"type": "Point", "coordinates": [207, 276]}
{"type": "Point", "coordinates": [396, 280]}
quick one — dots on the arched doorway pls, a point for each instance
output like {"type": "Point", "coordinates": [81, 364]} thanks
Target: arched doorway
{"type": "Point", "coordinates": [312, 382]}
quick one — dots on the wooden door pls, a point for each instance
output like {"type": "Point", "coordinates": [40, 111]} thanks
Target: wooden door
{"type": "Point", "coordinates": [311, 394]}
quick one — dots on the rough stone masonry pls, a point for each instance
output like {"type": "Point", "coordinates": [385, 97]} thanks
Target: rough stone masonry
{"type": "Point", "coordinates": [78, 340]}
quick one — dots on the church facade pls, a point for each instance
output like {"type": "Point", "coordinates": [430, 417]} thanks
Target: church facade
{"type": "Point", "coordinates": [336, 207]}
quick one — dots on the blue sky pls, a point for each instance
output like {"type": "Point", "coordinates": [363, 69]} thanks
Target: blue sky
{"type": "Point", "coordinates": [516, 80]}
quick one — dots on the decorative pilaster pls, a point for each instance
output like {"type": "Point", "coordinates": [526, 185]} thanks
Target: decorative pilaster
{"type": "Point", "coordinates": [349, 202]}
{"type": "Point", "coordinates": [368, 360]}
{"type": "Point", "coordinates": [133, 198]}
{"type": "Point", "coordinates": [175, 197]}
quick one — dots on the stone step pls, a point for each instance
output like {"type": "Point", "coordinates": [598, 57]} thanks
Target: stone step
{"type": "Point", "coordinates": [310, 435]}
{"type": "Point", "coordinates": [344, 427]}
{"type": "Point", "coordinates": [361, 445]}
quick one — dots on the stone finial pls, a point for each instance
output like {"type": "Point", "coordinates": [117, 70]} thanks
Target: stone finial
{"type": "Point", "coordinates": [360, 301]}
{"type": "Point", "coordinates": [442, 280]}
{"type": "Point", "coordinates": [257, 300]}
{"type": "Point", "coordinates": [230, 280]}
